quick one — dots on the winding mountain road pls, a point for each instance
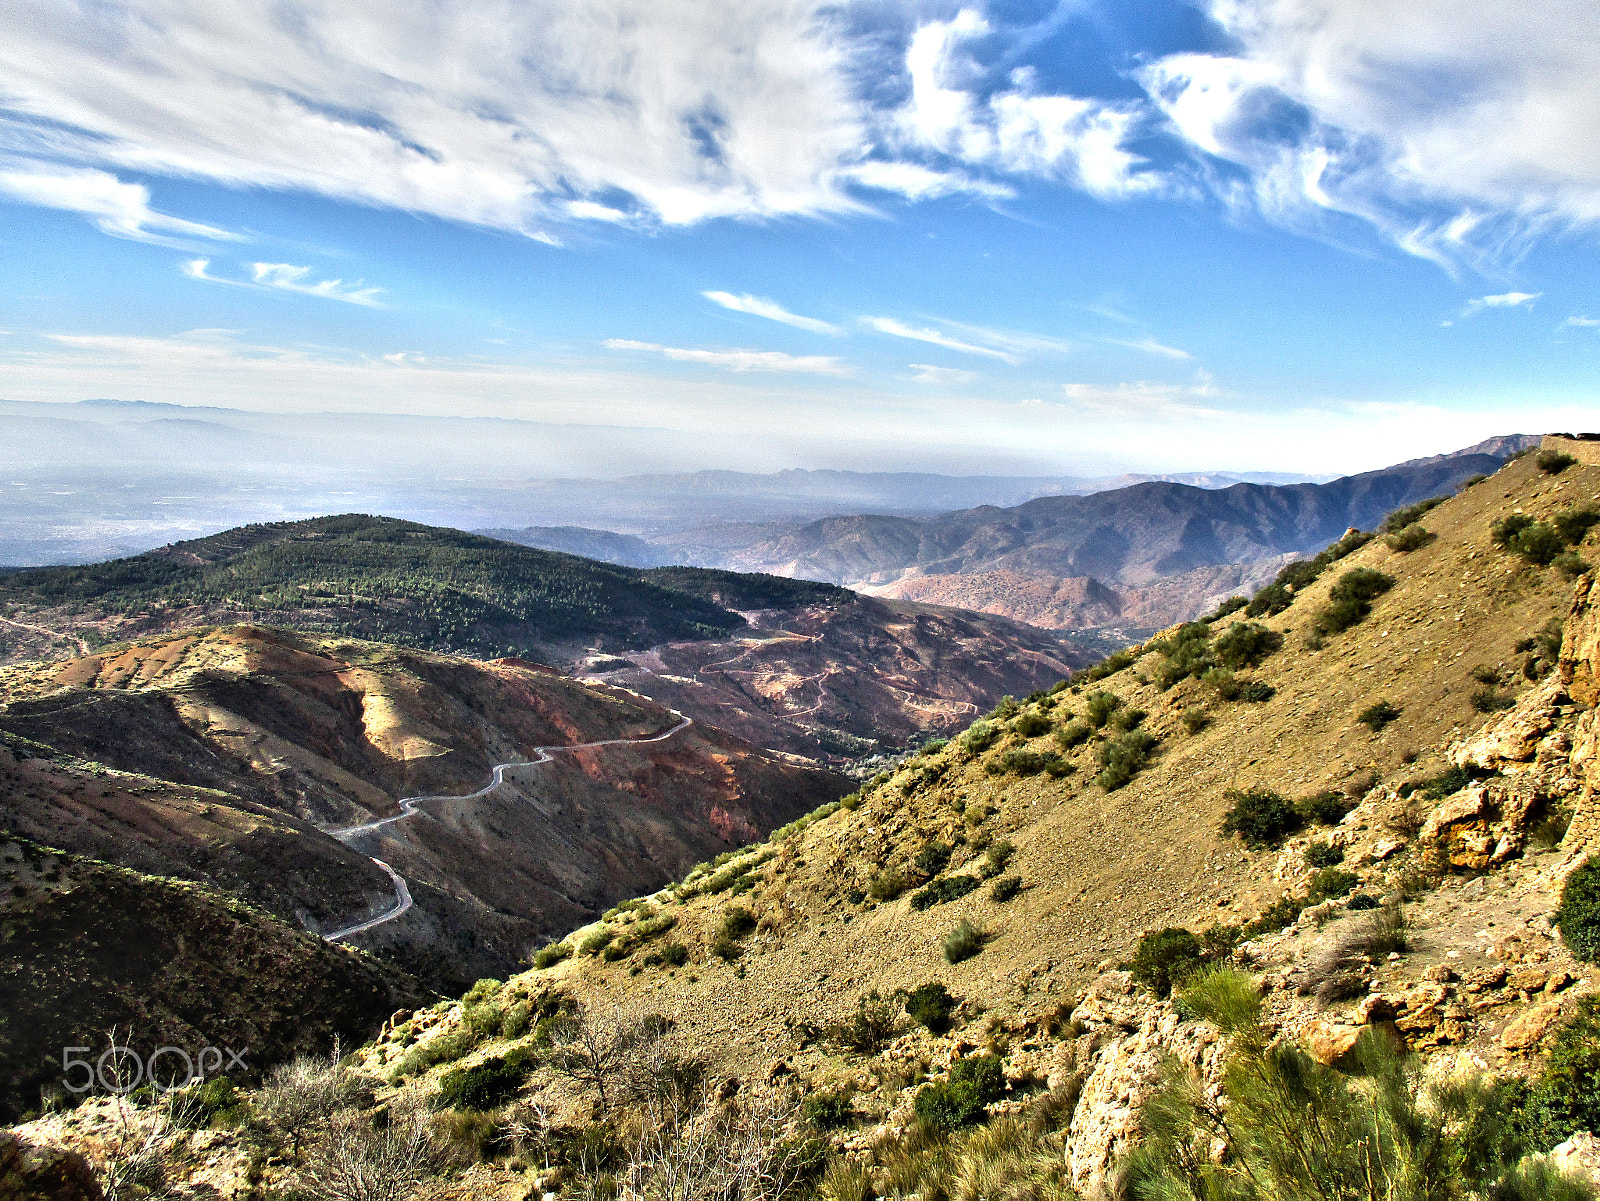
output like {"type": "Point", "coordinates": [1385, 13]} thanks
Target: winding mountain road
{"type": "Point", "coordinates": [408, 808]}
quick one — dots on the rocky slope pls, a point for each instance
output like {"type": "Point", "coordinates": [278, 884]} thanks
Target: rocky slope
{"type": "Point", "coordinates": [229, 750]}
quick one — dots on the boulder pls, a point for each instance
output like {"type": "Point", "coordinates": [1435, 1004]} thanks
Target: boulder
{"type": "Point", "coordinates": [1530, 1026]}
{"type": "Point", "coordinates": [1579, 1157]}
{"type": "Point", "coordinates": [1580, 644]}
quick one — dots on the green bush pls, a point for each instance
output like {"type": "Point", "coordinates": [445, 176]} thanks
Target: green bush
{"type": "Point", "coordinates": [1109, 666]}
{"type": "Point", "coordinates": [1031, 724]}
{"type": "Point", "coordinates": [963, 942]}
{"type": "Point", "coordinates": [1350, 600]}
{"type": "Point", "coordinates": [932, 858]}
{"type": "Point", "coordinates": [1565, 1097]}
{"type": "Point", "coordinates": [996, 857]}
{"type": "Point", "coordinates": [934, 745]}
{"type": "Point", "coordinates": [828, 1111]}
{"type": "Point", "coordinates": [1122, 758]}
{"type": "Point", "coordinates": [1472, 481]}
{"type": "Point", "coordinates": [1245, 644]}
{"type": "Point", "coordinates": [1325, 808]}
{"type": "Point", "coordinates": [1329, 882]}
{"type": "Point", "coordinates": [943, 890]}
{"type": "Point", "coordinates": [1232, 605]}
{"type": "Point", "coordinates": [484, 1086]}
{"type": "Point", "coordinates": [1378, 715]}
{"type": "Point", "coordinates": [1005, 889]}
{"type": "Point", "coordinates": [1127, 719]}
{"type": "Point", "coordinates": [870, 1029]}
{"type": "Point", "coordinates": [1072, 734]}
{"type": "Point", "coordinates": [674, 954]}
{"type": "Point", "coordinates": [1187, 653]}
{"type": "Point", "coordinates": [931, 1005]}
{"type": "Point", "coordinates": [598, 941]}
{"type": "Point", "coordinates": [1005, 709]}
{"type": "Point", "coordinates": [1322, 854]}
{"type": "Point", "coordinates": [1578, 915]}
{"type": "Point", "coordinates": [551, 954]}
{"type": "Point", "coordinates": [737, 922]}
{"type": "Point", "coordinates": [886, 885]}
{"type": "Point", "coordinates": [1098, 708]}
{"type": "Point", "coordinates": [1413, 537]}
{"type": "Point", "coordinates": [1165, 958]}
{"type": "Point", "coordinates": [1279, 595]}
{"type": "Point", "coordinates": [980, 736]}
{"type": "Point", "coordinates": [1574, 524]}
{"type": "Point", "coordinates": [1027, 763]}
{"type": "Point", "coordinates": [1260, 817]}
{"type": "Point", "coordinates": [1404, 518]}
{"type": "Point", "coordinates": [1491, 700]}
{"type": "Point", "coordinates": [1255, 692]}
{"type": "Point", "coordinates": [1195, 719]}
{"type": "Point", "coordinates": [959, 1100]}
{"type": "Point", "coordinates": [1554, 462]}
{"type": "Point", "coordinates": [1570, 564]}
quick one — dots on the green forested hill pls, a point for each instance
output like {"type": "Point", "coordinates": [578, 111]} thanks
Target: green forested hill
{"type": "Point", "coordinates": [378, 577]}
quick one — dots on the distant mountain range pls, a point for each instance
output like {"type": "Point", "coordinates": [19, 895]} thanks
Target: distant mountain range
{"type": "Point", "coordinates": [1144, 555]}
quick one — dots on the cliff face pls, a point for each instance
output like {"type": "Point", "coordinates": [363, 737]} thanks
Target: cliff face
{"type": "Point", "coordinates": [230, 749]}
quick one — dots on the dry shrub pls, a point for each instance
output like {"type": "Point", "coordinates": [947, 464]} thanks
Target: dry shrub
{"type": "Point", "coordinates": [359, 1161]}
{"type": "Point", "coordinates": [739, 1152]}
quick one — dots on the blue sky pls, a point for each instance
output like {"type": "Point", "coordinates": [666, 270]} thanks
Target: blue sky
{"type": "Point", "coordinates": [1311, 235]}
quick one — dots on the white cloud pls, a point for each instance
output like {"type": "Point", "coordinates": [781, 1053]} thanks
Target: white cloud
{"type": "Point", "coordinates": [117, 208]}
{"type": "Point", "coordinates": [286, 277]}
{"type": "Point", "coordinates": [1144, 401]}
{"type": "Point", "coordinates": [1151, 346]}
{"type": "Point", "coordinates": [738, 360]}
{"type": "Point", "coordinates": [925, 373]}
{"type": "Point", "coordinates": [1504, 300]}
{"type": "Point", "coordinates": [484, 111]}
{"type": "Point", "coordinates": [770, 309]}
{"type": "Point", "coordinates": [899, 329]}
{"type": "Point", "coordinates": [1076, 140]}
{"type": "Point", "coordinates": [916, 182]}
{"type": "Point", "coordinates": [1576, 322]}
{"type": "Point", "coordinates": [1458, 128]}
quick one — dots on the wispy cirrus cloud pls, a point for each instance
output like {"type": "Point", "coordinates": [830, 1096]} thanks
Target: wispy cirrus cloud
{"type": "Point", "coordinates": [1577, 322]}
{"type": "Point", "coordinates": [758, 306]}
{"type": "Point", "coordinates": [286, 277]}
{"type": "Point", "coordinates": [926, 373]}
{"type": "Point", "coordinates": [899, 329]}
{"type": "Point", "coordinates": [1503, 300]}
{"type": "Point", "coordinates": [1151, 346]}
{"type": "Point", "coordinates": [115, 207]}
{"type": "Point", "coordinates": [738, 360]}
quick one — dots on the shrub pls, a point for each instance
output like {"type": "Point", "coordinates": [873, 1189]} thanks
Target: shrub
{"type": "Point", "coordinates": [737, 922]}
{"type": "Point", "coordinates": [1324, 808]}
{"type": "Point", "coordinates": [1279, 595]}
{"type": "Point", "coordinates": [1031, 724]}
{"type": "Point", "coordinates": [1565, 1098]}
{"type": "Point", "coordinates": [1109, 666]}
{"type": "Point", "coordinates": [1543, 649]}
{"type": "Point", "coordinates": [1504, 531]}
{"type": "Point", "coordinates": [886, 885]}
{"type": "Point", "coordinates": [444, 1048]}
{"type": "Point", "coordinates": [1006, 888]}
{"type": "Point", "coordinates": [1491, 700]}
{"type": "Point", "coordinates": [1574, 524]}
{"type": "Point", "coordinates": [1329, 882]}
{"type": "Point", "coordinates": [1165, 958]}
{"type": "Point", "coordinates": [1270, 601]}
{"type": "Point", "coordinates": [1578, 915]}
{"type": "Point", "coordinates": [1362, 900]}
{"type": "Point", "coordinates": [959, 1100]}
{"type": "Point", "coordinates": [1378, 715]}
{"type": "Point", "coordinates": [1195, 719]}
{"type": "Point", "coordinates": [486, 1085]}
{"type": "Point", "coordinates": [1472, 481]}
{"type": "Point", "coordinates": [934, 745]}
{"type": "Point", "coordinates": [996, 857]}
{"type": "Point", "coordinates": [980, 736]}
{"type": "Point", "coordinates": [1404, 518]}
{"type": "Point", "coordinates": [1350, 600]}
{"type": "Point", "coordinates": [675, 954]}
{"type": "Point", "coordinates": [598, 941]}
{"type": "Point", "coordinates": [1540, 543]}
{"type": "Point", "coordinates": [1570, 564]}
{"type": "Point", "coordinates": [1071, 735]}
{"type": "Point", "coordinates": [1245, 644]}
{"type": "Point", "coordinates": [551, 954]}
{"type": "Point", "coordinates": [1099, 706]}
{"type": "Point", "coordinates": [1232, 605]}
{"type": "Point", "coordinates": [963, 942]}
{"type": "Point", "coordinates": [870, 1029]}
{"type": "Point", "coordinates": [1260, 817]}
{"type": "Point", "coordinates": [1322, 854]}
{"type": "Point", "coordinates": [1027, 763]}
{"type": "Point", "coordinates": [827, 1111]}
{"type": "Point", "coordinates": [1413, 537]}
{"type": "Point", "coordinates": [931, 1005]}
{"type": "Point", "coordinates": [932, 857]}
{"type": "Point", "coordinates": [1123, 757]}
{"type": "Point", "coordinates": [1255, 692]}
{"type": "Point", "coordinates": [1554, 462]}
{"type": "Point", "coordinates": [1187, 653]}
{"type": "Point", "coordinates": [943, 890]}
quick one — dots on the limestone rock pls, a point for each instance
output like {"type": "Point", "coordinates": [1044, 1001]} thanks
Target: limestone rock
{"type": "Point", "coordinates": [1528, 1027]}
{"type": "Point", "coordinates": [1329, 1043]}
{"type": "Point", "coordinates": [44, 1173]}
{"type": "Point", "coordinates": [1579, 1156]}
{"type": "Point", "coordinates": [1580, 644]}
{"type": "Point", "coordinates": [1110, 1001]}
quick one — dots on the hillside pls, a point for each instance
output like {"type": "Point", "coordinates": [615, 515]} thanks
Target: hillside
{"type": "Point", "coordinates": [438, 589]}
{"type": "Point", "coordinates": [1145, 555]}
{"type": "Point", "coordinates": [231, 749]}
{"type": "Point", "coordinates": [1410, 743]}
{"type": "Point", "coordinates": [373, 577]}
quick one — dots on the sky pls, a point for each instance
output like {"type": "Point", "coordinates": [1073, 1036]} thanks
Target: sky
{"type": "Point", "coordinates": [1306, 235]}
